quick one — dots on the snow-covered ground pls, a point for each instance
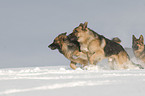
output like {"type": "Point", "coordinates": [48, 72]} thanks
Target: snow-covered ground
{"type": "Point", "coordinates": [63, 81]}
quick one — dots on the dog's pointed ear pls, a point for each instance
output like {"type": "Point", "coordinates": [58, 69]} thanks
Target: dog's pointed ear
{"type": "Point", "coordinates": [85, 25]}
{"type": "Point", "coordinates": [133, 37]}
{"type": "Point", "coordinates": [141, 38]}
{"type": "Point", "coordinates": [81, 24]}
{"type": "Point", "coordinates": [64, 33]}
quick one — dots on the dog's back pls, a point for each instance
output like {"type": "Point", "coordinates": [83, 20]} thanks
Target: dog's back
{"type": "Point", "coordinates": [111, 47]}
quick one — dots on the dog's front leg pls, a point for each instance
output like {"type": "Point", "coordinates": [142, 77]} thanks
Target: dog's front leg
{"type": "Point", "coordinates": [92, 59]}
{"type": "Point", "coordinates": [73, 65]}
{"type": "Point", "coordinates": [76, 54]}
{"type": "Point", "coordinates": [96, 57]}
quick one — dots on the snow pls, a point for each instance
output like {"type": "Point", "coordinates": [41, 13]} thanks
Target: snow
{"type": "Point", "coordinates": [63, 81]}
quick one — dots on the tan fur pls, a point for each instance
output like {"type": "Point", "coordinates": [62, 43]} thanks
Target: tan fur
{"type": "Point", "coordinates": [94, 47]}
{"type": "Point", "coordinates": [73, 55]}
{"type": "Point", "coordinates": [140, 52]}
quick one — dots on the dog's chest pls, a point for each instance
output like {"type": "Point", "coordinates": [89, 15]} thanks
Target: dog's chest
{"type": "Point", "coordinates": [84, 48]}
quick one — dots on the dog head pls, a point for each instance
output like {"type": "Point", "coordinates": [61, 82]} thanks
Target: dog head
{"type": "Point", "coordinates": [80, 33]}
{"type": "Point", "coordinates": [138, 44]}
{"type": "Point", "coordinates": [58, 41]}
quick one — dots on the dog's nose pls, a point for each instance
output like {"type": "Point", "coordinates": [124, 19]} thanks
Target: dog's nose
{"type": "Point", "coordinates": [50, 46]}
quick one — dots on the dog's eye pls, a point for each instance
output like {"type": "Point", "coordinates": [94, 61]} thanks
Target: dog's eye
{"type": "Point", "coordinates": [75, 31]}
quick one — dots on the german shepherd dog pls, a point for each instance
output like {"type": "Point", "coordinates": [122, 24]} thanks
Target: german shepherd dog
{"type": "Point", "coordinates": [139, 48]}
{"type": "Point", "coordinates": [97, 47]}
{"type": "Point", "coordinates": [69, 49]}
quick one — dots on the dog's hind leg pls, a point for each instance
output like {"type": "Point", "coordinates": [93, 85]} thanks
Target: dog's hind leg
{"type": "Point", "coordinates": [73, 65]}
{"type": "Point", "coordinates": [122, 60]}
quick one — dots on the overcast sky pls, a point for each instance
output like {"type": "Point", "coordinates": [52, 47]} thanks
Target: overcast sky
{"type": "Point", "coordinates": [29, 26]}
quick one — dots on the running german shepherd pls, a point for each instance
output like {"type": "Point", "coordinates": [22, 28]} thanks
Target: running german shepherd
{"type": "Point", "coordinates": [139, 47]}
{"type": "Point", "coordinates": [69, 49]}
{"type": "Point", "coordinates": [97, 47]}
